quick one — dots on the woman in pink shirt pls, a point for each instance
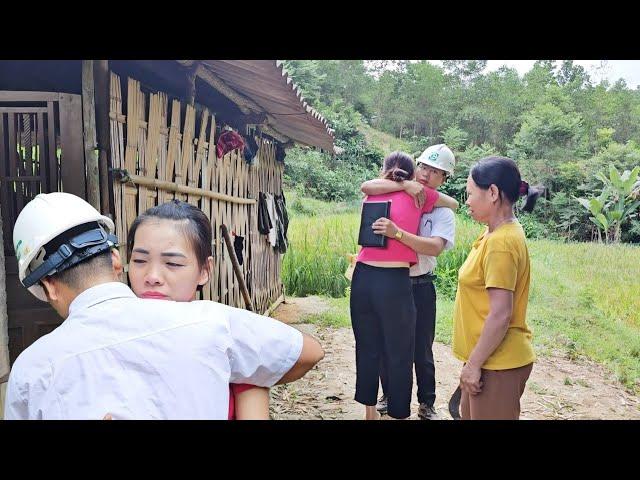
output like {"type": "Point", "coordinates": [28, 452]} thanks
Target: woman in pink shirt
{"type": "Point", "coordinates": [382, 308]}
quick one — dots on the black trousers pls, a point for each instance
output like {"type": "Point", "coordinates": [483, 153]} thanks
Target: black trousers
{"type": "Point", "coordinates": [383, 318]}
{"type": "Point", "coordinates": [424, 297]}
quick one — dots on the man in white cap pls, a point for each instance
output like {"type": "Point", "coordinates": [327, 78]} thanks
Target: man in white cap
{"type": "Point", "coordinates": [130, 357]}
{"type": "Point", "coordinates": [436, 233]}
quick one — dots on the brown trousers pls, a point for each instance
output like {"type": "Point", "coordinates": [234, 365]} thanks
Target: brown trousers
{"type": "Point", "coordinates": [500, 396]}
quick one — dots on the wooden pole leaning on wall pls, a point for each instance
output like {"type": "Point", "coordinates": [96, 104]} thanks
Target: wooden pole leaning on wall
{"type": "Point", "coordinates": [236, 267]}
{"type": "Point", "coordinates": [123, 177]}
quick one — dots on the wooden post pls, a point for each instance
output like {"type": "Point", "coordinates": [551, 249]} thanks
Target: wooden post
{"type": "Point", "coordinates": [102, 94]}
{"type": "Point", "coordinates": [89, 127]}
{"type": "Point", "coordinates": [72, 164]}
{"type": "Point", "coordinates": [191, 86]}
{"type": "Point", "coordinates": [4, 321]}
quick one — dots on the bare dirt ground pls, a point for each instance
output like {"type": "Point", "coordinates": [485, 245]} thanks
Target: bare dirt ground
{"type": "Point", "coordinates": [559, 388]}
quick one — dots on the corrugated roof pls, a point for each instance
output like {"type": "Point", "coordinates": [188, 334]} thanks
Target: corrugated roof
{"type": "Point", "coordinates": [272, 91]}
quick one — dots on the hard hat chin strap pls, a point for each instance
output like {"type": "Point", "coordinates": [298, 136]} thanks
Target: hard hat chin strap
{"type": "Point", "coordinates": [79, 248]}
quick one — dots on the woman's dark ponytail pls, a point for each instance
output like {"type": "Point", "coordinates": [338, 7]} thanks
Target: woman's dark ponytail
{"type": "Point", "coordinates": [398, 166]}
{"type": "Point", "coordinates": [504, 174]}
{"type": "Point", "coordinates": [532, 194]}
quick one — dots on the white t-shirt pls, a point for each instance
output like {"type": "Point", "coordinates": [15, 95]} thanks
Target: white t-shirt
{"type": "Point", "coordinates": [147, 359]}
{"type": "Point", "coordinates": [440, 222]}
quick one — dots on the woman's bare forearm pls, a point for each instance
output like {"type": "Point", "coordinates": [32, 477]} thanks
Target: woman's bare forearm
{"type": "Point", "coordinates": [380, 186]}
{"type": "Point", "coordinates": [445, 200]}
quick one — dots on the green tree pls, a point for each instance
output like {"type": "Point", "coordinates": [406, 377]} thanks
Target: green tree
{"type": "Point", "coordinates": [465, 70]}
{"type": "Point", "coordinates": [421, 93]}
{"type": "Point", "coordinates": [547, 138]}
{"type": "Point", "coordinates": [455, 137]}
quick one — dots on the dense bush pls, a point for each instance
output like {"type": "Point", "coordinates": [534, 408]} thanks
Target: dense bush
{"type": "Point", "coordinates": [335, 177]}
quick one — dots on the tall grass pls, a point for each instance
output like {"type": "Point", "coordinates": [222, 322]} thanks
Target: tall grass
{"type": "Point", "coordinates": [388, 143]}
{"type": "Point", "coordinates": [450, 261]}
{"type": "Point", "coordinates": [319, 240]}
{"type": "Point", "coordinates": [315, 261]}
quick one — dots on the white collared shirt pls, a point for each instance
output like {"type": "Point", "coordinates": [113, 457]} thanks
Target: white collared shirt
{"type": "Point", "coordinates": [147, 359]}
{"type": "Point", "coordinates": [440, 222]}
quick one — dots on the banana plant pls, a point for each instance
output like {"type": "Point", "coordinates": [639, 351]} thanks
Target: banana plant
{"type": "Point", "coordinates": [595, 207]}
{"type": "Point", "coordinates": [617, 202]}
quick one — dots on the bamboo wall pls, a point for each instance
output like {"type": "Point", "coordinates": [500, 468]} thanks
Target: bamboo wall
{"type": "Point", "coordinates": [167, 141]}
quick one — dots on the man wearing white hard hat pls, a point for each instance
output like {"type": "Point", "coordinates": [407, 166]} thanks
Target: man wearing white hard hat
{"type": "Point", "coordinates": [436, 234]}
{"type": "Point", "coordinates": [134, 358]}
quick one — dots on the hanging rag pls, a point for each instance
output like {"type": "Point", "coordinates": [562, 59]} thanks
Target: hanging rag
{"type": "Point", "coordinates": [250, 149]}
{"type": "Point", "coordinates": [264, 222]}
{"type": "Point", "coordinates": [229, 141]}
{"type": "Point", "coordinates": [238, 246]}
{"type": "Point", "coordinates": [280, 153]}
{"type": "Point", "coordinates": [271, 208]}
{"type": "Point", "coordinates": [283, 223]}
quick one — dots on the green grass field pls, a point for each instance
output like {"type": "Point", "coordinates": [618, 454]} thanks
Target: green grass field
{"type": "Point", "coordinates": [584, 298]}
{"type": "Point", "coordinates": [388, 143]}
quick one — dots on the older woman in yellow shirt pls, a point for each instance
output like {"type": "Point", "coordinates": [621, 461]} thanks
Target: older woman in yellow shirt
{"type": "Point", "coordinates": [491, 334]}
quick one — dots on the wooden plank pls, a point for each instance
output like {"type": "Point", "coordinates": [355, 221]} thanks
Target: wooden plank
{"type": "Point", "coordinates": [42, 151]}
{"type": "Point", "coordinates": [102, 97]}
{"type": "Point", "coordinates": [4, 186]}
{"type": "Point", "coordinates": [143, 193]}
{"type": "Point", "coordinates": [51, 149]}
{"type": "Point", "coordinates": [187, 147]}
{"type": "Point", "coordinates": [26, 163]}
{"type": "Point", "coordinates": [162, 145]}
{"type": "Point", "coordinates": [215, 218]}
{"type": "Point", "coordinates": [194, 174]}
{"type": "Point", "coordinates": [117, 150]}
{"type": "Point", "coordinates": [12, 153]}
{"type": "Point", "coordinates": [173, 153]}
{"type": "Point", "coordinates": [205, 206]}
{"type": "Point", "coordinates": [24, 96]}
{"type": "Point", "coordinates": [22, 178]}
{"type": "Point", "coordinates": [23, 109]}
{"type": "Point", "coordinates": [14, 162]}
{"type": "Point", "coordinates": [71, 145]}
{"type": "Point", "coordinates": [153, 136]}
{"type": "Point", "coordinates": [130, 161]}
{"type": "Point", "coordinates": [89, 127]}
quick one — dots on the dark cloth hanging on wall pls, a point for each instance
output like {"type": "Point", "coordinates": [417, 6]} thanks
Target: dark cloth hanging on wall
{"type": "Point", "coordinates": [282, 241]}
{"type": "Point", "coordinates": [238, 246]}
{"type": "Point", "coordinates": [250, 149]}
{"type": "Point", "coordinates": [281, 207]}
{"type": "Point", "coordinates": [280, 153]}
{"type": "Point", "coordinates": [264, 222]}
{"type": "Point", "coordinates": [281, 220]}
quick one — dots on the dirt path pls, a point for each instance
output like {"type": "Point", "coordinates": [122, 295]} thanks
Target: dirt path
{"type": "Point", "coordinates": [559, 388]}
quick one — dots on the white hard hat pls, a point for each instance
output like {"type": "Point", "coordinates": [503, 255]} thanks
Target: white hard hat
{"type": "Point", "coordinates": [438, 156]}
{"type": "Point", "coordinates": [41, 220]}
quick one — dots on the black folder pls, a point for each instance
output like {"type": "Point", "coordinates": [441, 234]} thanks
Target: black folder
{"type": "Point", "coordinates": [371, 211]}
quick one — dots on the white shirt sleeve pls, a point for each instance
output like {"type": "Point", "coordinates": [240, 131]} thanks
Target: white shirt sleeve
{"type": "Point", "coordinates": [16, 406]}
{"type": "Point", "coordinates": [444, 226]}
{"type": "Point", "coordinates": [262, 349]}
